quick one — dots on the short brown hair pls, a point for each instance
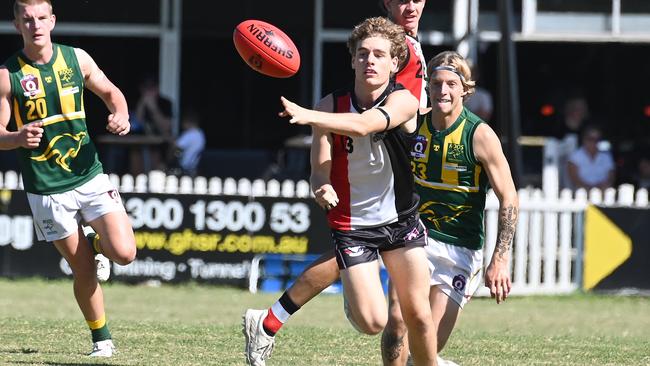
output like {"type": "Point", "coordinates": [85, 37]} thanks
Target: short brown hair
{"type": "Point", "coordinates": [380, 27]}
{"type": "Point", "coordinates": [18, 4]}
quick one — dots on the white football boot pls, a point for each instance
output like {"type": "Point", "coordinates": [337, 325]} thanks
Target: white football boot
{"type": "Point", "coordinates": [103, 349]}
{"type": "Point", "coordinates": [102, 264]}
{"type": "Point", "coordinates": [102, 267]}
{"type": "Point", "coordinates": [259, 345]}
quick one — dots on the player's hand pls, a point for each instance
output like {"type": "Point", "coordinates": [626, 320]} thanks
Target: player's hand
{"type": "Point", "coordinates": [118, 124]}
{"type": "Point", "coordinates": [497, 279]}
{"type": "Point", "coordinates": [29, 136]}
{"type": "Point", "coordinates": [298, 114]}
{"type": "Point", "coordinates": [326, 197]}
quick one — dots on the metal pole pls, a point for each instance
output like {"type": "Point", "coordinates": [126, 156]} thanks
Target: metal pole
{"type": "Point", "coordinates": [508, 91]}
{"type": "Point", "coordinates": [318, 52]}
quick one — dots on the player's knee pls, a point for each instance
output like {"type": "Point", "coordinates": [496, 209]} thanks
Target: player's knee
{"type": "Point", "coordinates": [125, 256]}
{"type": "Point", "coordinates": [373, 325]}
{"type": "Point", "coordinates": [419, 321]}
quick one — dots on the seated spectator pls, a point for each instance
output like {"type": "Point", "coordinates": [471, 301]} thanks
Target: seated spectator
{"type": "Point", "coordinates": [588, 167]}
{"type": "Point", "coordinates": [188, 146]}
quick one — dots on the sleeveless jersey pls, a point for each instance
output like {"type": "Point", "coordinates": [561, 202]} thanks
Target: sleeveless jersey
{"type": "Point", "coordinates": [52, 93]}
{"type": "Point", "coordinates": [451, 183]}
{"type": "Point", "coordinates": [412, 75]}
{"type": "Point", "coordinates": [370, 174]}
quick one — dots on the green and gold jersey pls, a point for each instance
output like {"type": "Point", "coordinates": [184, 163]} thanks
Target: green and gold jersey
{"type": "Point", "coordinates": [451, 183]}
{"type": "Point", "coordinates": [53, 93]}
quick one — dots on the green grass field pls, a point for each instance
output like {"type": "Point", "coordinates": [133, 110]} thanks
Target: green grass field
{"type": "Point", "coordinates": [200, 325]}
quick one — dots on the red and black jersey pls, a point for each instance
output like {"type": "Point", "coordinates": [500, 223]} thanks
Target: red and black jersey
{"type": "Point", "coordinates": [371, 174]}
{"type": "Point", "coordinates": [413, 73]}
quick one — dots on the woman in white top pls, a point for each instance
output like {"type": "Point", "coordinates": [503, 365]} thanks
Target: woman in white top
{"type": "Point", "coordinates": [589, 167]}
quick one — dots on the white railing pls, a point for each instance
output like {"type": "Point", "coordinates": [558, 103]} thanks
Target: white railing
{"type": "Point", "coordinates": [158, 182]}
{"type": "Point", "coordinates": [547, 249]}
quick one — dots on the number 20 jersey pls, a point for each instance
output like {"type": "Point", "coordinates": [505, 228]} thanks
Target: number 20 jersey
{"type": "Point", "coordinates": [370, 174]}
{"type": "Point", "coordinates": [52, 93]}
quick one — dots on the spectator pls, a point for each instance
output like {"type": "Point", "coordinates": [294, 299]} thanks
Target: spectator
{"type": "Point", "coordinates": [574, 118]}
{"type": "Point", "coordinates": [481, 102]}
{"type": "Point", "coordinates": [588, 167]}
{"type": "Point", "coordinates": [153, 117]}
{"type": "Point", "coordinates": [188, 146]}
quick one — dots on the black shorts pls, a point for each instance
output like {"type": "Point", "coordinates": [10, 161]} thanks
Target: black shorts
{"type": "Point", "coordinates": [364, 245]}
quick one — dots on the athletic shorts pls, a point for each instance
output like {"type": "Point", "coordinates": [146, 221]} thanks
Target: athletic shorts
{"type": "Point", "coordinates": [454, 269]}
{"type": "Point", "coordinates": [57, 216]}
{"type": "Point", "coordinates": [364, 245]}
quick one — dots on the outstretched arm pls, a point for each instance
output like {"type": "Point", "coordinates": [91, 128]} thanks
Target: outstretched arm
{"type": "Point", "coordinates": [97, 82]}
{"type": "Point", "coordinates": [488, 151]}
{"type": "Point", "coordinates": [400, 106]}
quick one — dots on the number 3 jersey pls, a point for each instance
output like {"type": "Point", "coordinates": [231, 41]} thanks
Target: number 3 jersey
{"type": "Point", "coordinates": [370, 174]}
{"type": "Point", "coordinates": [451, 183]}
{"type": "Point", "coordinates": [52, 93]}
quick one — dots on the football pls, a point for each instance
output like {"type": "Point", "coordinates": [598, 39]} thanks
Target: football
{"type": "Point", "coordinates": [266, 48]}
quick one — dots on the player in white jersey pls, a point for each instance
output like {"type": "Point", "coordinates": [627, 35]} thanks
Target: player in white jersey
{"type": "Point", "coordinates": [369, 143]}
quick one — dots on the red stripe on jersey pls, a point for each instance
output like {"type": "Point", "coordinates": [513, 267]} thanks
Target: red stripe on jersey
{"type": "Point", "coordinates": [340, 216]}
{"type": "Point", "coordinates": [411, 76]}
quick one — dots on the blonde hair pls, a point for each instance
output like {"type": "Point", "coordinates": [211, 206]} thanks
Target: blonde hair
{"type": "Point", "coordinates": [380, 27]}
{"type": "Point", "coordinates": [453, 61]}
{"type": "Point", "coordinates": [20, 4]}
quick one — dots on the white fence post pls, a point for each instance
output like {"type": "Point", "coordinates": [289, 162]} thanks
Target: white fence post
{"type": "Point", "coordinates": [11, 179]}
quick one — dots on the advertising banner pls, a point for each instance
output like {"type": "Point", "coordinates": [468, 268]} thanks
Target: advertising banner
{"type": "Point", "coordinates": [179, 237]}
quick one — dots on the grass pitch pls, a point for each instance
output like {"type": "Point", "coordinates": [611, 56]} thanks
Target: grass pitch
{"type": "Point", "coordinates": [40, 324]}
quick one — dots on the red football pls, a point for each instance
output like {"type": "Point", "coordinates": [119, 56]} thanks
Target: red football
{"type": "Point", "coordinates": [266, 48]}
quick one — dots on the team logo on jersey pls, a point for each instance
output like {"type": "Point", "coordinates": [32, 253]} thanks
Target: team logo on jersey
{"type": "Point", "coordinates": [48, 225]}
{"type": "Point", "coordinates": [114, 195]}
{"type": "Point", "coordinates": [48, 79]}
{"type": "Point", "coordinates": [440, 214]}
{"type": "Point", "coordinates": [61, 148]}
{"type": "Point", "coordinates": [459, 283]}
{"type": "Point", "coordinates": [436, 147]}
{"type": "Point", "coordinates": [65, 75]}
{"type": "Point", "coordinates": [455, 152]}
{"type": "Point", "coordinates": [412, 235]}
{"type": "Point", "coordinates": [353, 251]}
{"type": "Point", "coordinates": [419, 146]}
{"type": "Point", "coordinates": [30, 85]}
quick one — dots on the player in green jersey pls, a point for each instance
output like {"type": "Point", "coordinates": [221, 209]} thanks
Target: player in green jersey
{"type": "Point", "coordinates": [454, 157]}
{"type": "Point", "coordinates": [42, 116]}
